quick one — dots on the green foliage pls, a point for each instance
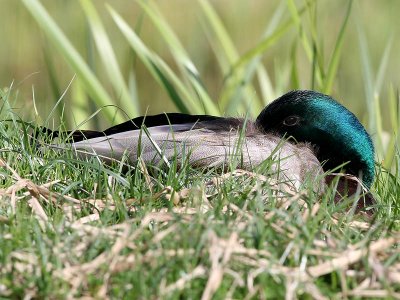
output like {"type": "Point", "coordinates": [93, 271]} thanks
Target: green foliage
{"type": "Point", "coordinates": [72, 228]}
{"type": "Point", "coordinates": [90, 82]}
{"type": "Point", "coordinates": [242, 73]}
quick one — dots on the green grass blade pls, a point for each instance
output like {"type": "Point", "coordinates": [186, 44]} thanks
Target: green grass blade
{"type": "Point", "coordinates": [380, 77]}
{"type": "Point", "coordinates": [297, 22]}
{"type": "Point", "coordinates": [265, 43]}
{"type": "Point", "coordinates": [234, 98]}
{"type": "Point", "coordinates": [334, 62]}
{"type": "Point", "coordinates": [54, 33]}
{"type": "Point", "coordinates": [266, 87]}
{"type": "Point", "coordinates": [51, 70]}
{"type": "Point", "coordinates": [79, 99]}
{"type": "Point", "coordinates": [109, 59]}
{"type": "Point", "coordinates": [372, 89]}
{"type": "Point", "coordinates": [132, 86]}
{"type": "Point", "coordinates": [368, 78]}
{"type": "Point", "coordinates": [268, 90]}
{"type": "Point", "coordinates": [238, 94]}
{"type": "Point", "coordinates": [379, 128]}
{"type": "Point", "coordinates": [294, 72]}
{"type": "Point", "coordinates": [262, 46]}
{"type": "Point", "coordinates": [394, 129]}
{"type": "Point", "coordinates": [180, 55]}
{"type": "Point", "coordinates": [220, 32]}
{"type": "Point", "coordinates": [255, 66]}
{"type": "Point", "coordinates": [57, 106]}
{"type": "Point", "coordinates": [310, 47]}
{"type": "Point", "coordinates": [158, 68]}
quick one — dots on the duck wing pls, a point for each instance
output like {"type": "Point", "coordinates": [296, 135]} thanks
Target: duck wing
{"type": "Point", "coordinates": [133, 124]}
{"type": "Point", "coordinates": [202, 142]}
{"type": "Point", "coordinates": [161, 137]}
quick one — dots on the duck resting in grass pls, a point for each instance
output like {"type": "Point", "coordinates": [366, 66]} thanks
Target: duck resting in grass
{"type": "Point", "coordinates": [306, 132]}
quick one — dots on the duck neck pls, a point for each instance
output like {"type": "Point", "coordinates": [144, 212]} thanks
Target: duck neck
{"type": "Point", "coordinates": [333, 155]}
{"type": "Point", "coordinates": [341, 140]}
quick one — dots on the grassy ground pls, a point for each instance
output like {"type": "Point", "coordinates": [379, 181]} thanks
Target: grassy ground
{"type": "Point", "coordinates": [76, 229]}
{"type": "Point", "coordinates": [73, 228]}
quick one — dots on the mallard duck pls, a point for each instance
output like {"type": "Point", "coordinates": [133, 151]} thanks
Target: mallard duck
{"type": "Point", "coordinates": [307, 131]}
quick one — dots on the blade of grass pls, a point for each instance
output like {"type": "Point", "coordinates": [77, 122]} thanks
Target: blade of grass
{"type": "Point", "coordinates": [54, 83]}
{"type": "Point", "coordinates": [57, 106]}
{"type": "Point", "coordinates": [380, 77]}
{"type": "Point", "coordinates": [234, 97]}
{"type": "Point", "coordinates": [266, 88]}
{"type": "Point", "coordinates": [395, 127]}
{"type": "Point", "coordinates": [334, 62]}
{"type": "Point", "coordinates": [255, 65]}
{"type": "Point", "coordinates": [109, 59]}
{"type": "Point", "coordinates": [180, 55]}
{"type": "Point", "coordinates": [310, 48]}
{"type": "Point", "coordinates": [79, 98]}
{"type": "Point", "coordinates": [297, 22]}
{"type": "Point", "coordinates": [158, 68]}
{"type": "Point", "coordinates": [372, 89]}
{"type": "Point", "coordinates": [282, 76]}
{"type": "Point", "coordinates": [91, 84]}
{"type": "Point", "coordinates": [132, 87]}
{"type": "Point", "coordinates": [367, 77]}
{"type": "Point", "coordinates": [264, 44]}
{"type": "Point", "coordinates": [238, 87]}
{"type": "Point", "coordinates": [219, 30]}
{"type": "Point", "coordinates": [294, 74]}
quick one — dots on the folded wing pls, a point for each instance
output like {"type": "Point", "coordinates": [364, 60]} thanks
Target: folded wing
{"type": "Point", "coordinates": [207, 142]}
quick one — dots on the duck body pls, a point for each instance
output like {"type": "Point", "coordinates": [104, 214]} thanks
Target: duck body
{"type": "Point", "coordinates": [203, 142]}
{"type": "Point", "coordinates": [304, 132]}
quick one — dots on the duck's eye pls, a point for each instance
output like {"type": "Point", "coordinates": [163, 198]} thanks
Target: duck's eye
{"type": "Point", "coordinates": [291, 121]}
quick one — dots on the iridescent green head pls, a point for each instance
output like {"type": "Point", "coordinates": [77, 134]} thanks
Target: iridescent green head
{"type": "Point", "coordinates": [335, 132]}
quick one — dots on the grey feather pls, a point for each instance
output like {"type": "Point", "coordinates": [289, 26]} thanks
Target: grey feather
{"type": "Point", "coordinates": [206, 144]}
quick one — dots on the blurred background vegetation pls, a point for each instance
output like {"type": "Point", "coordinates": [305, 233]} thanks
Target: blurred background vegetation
{"type": "Point", "coordinates": [246, 52]}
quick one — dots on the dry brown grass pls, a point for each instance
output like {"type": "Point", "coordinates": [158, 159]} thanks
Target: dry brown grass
{"type": "Point", "coordinates": [227, 257]}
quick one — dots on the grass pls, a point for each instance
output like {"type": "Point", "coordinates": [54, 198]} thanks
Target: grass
{"type": "Point", "coordinates": [74, 228]}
